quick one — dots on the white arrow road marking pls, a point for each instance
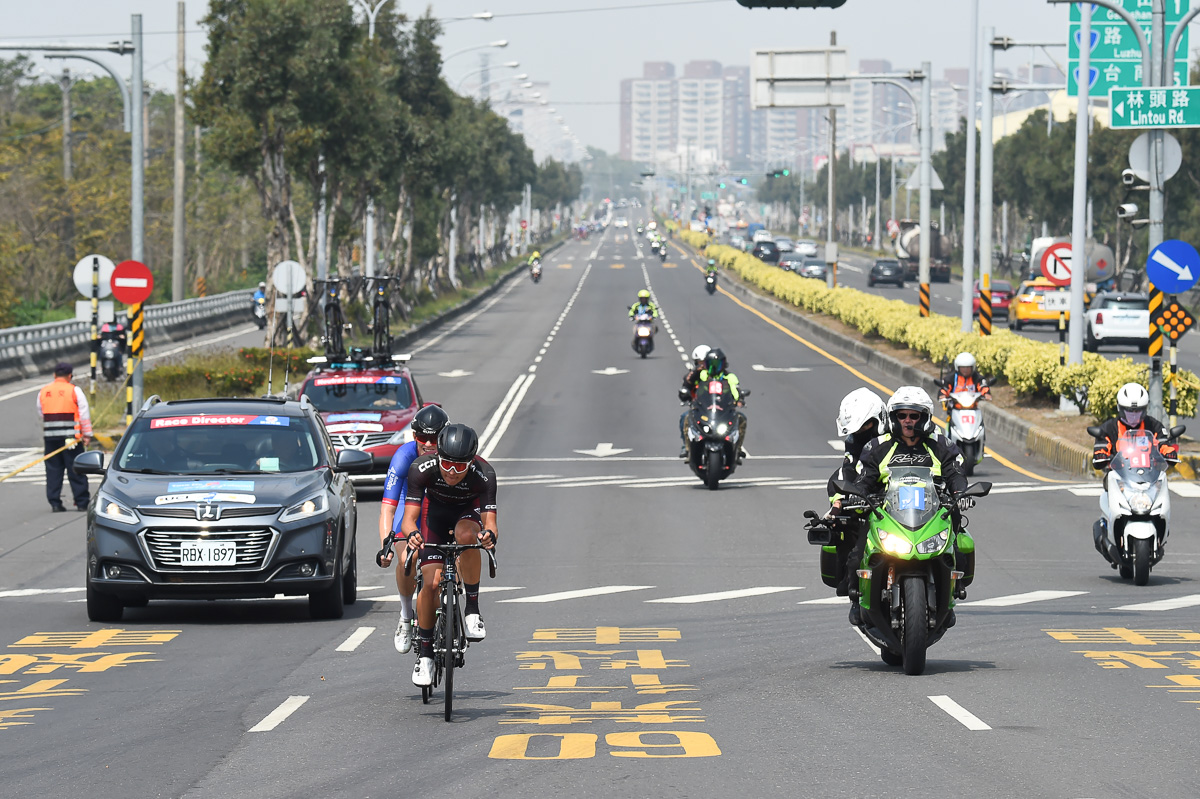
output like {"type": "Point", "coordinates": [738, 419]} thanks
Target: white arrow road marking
{"type": "Point", "coordinates": [279, 714]}
{"type": "Point", "coordinates": [960, 713]}
{"type": "Point", "coordinates": [1020, 599]}
{"type": "Point", "coordinates": [602, 450]}
{"type": "Point", "coordinates": [829, 600]}
{"type": "Point", "coordinates": [1165, 604]}
{"type": "Point", "coordinates": [586, 592]}
{"type": "Point", "coordinates": [1159, 257]}
{"type": "Point", "coordinates": [455, 373]}
{"type": "Point", "coordinates": [610, 370]}
{"type": "Point", "coordinates": [758, 367]}
{"type": "Point", "coordinates": [837, 444]}
{"type": "Point", "coordinates": [720, 595]}
{"type": "Point", "coordinates": [355, 640]}
{"type": "Point", "coordinates": [1185, 489]}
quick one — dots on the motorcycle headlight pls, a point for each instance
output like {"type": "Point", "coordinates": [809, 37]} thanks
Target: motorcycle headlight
{"type": "Point", "coordinates": [401, 437]}
{"type": "Point", "coordinates": [894, 544]}
{"type": "Point", "coordinates": [1139, 501]}
{"type": "Point", "coordinates": [312, 506]}
{"type": "Point", "coordinates": [643, 331]}
{"type": "Point", "coordinates": [931, 545]}
{"type": "Point", "coordinates": [109, 508]}
{"type": "Point", "coordinates": [722, 429]}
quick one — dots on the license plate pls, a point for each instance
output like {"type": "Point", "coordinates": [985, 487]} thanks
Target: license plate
{"type": "Point", "coordinates": [208, 553]}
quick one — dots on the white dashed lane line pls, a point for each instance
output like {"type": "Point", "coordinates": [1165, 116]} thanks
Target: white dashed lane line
{"type": "Point", "coordinates": [279, 714]}
{"type": "Point", "coordinates": [355, 640]}
{"type": "Point", "coordinates": [959, 713]}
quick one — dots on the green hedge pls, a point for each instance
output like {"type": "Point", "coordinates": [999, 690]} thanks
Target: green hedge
{"type": "Point", "coordinates": [1030, 367]}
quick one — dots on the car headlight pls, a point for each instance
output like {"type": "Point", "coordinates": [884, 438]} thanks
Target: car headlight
{"type": "Point", "coordinates": [931, 545]}
{"type": "Point", "coordinates": [401, 437]}
{"type": "Point", "coordinates": [1139, 501]}
{"type": "Point", "coordinates": [313, 506]}
{"type": "Point", "coordinates": [894, 544]}
{"type": "Point", "coordinates": [109, 508]}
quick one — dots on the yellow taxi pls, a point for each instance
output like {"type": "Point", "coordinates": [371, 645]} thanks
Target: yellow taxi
{"type": "Point", "coordinates": [1028, 307]}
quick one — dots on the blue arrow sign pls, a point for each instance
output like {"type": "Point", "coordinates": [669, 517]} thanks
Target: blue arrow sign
{"type": "Point", "coordinates": [1173, 266]}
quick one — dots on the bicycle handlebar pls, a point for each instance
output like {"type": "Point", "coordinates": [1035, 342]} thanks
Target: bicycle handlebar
{"type": "Point", "coordinates": [453, 550]}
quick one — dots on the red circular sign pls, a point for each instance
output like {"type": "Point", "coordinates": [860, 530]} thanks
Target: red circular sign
{"type": "Point", "coordinates": [1056, 263]}
{"type": "Point", "coordinates": [132, 282]}
{"type": "Point", "coordinates": [524, 224]}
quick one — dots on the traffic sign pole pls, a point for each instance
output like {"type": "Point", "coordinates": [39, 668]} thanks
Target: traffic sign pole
{"type": "Point", "coordinates": [1174, 369]}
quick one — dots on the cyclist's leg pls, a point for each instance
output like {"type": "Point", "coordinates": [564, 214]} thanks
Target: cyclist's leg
{"type": "Point", "coordinates": [467, 532]}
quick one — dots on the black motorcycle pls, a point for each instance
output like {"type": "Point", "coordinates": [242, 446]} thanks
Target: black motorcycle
{"type": "Point", "coordinates": [111, 356]}
{"type": "Point", "coordinates": [710, 282]}
{"type": "Point", "coordinates": [715, 430]}
{"type": "Point", "coordinates": [643, 334]}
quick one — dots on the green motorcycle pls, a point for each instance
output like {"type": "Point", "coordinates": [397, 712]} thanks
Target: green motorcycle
{"type": "Point", "coordinates": [910, 574]}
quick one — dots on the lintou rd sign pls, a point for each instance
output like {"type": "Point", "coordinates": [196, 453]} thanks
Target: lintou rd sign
{"type": "Point", "coordinates": [1155, 107]}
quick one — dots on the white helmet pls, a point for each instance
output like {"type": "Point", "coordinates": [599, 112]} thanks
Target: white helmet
{"type": "Point", "coordinates": [911, 398]}
{"type": "Point", "coordinates": [1132, 401]}
{"type": "Point", "coordinates": [964, 359]}
{"type": "Point", "coordinates": [700, 353]}
{"type": "Point", "coordinates": [857, 408]}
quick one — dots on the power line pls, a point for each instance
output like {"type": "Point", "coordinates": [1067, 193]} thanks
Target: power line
{"type": "Point", "coordinates": [637, 6]}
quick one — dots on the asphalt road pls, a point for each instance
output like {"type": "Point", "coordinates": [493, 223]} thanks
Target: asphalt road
{"type": "Point", "coordinates": [646, 637]}
{"type": "Point", "coordinates": [946, 299]}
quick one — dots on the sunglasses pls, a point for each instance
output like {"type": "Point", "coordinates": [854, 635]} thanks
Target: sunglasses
{"type": "Point", "coordinates": [425, 439]}
{"type": "Point", "coordinates": [906, 417]}
{"type": "Point", "coordinates": [454, 467]}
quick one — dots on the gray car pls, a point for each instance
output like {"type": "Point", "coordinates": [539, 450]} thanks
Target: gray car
{"type": "Point", "coordinates": [220, 499]}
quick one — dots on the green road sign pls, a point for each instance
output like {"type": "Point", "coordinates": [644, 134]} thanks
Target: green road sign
{"type": "Point", "coordinates": [1116, 42]}
{"type": "Point", "coordinates": [1136, 109]}
{"type": "Point", "coordinates": [1138, 9]}
{"type": "Point", "coordinates": [1118, 75]}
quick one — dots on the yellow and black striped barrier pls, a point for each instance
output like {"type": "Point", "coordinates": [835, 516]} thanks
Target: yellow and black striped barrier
{"type": "Point", "coordinates": [201, 286]}
{"type": "Point", "coordinates": [924, 299]}
{"type": "Point", "coordinates": [137, 339]}
{"type": "Point", "coordinates": [1156, 333]}
{"type": "Point", "coordinates": [985, 312]}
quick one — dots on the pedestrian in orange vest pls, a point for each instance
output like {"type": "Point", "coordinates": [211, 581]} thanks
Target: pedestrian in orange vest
{"type": "Point", "coordinates": [63, 408]}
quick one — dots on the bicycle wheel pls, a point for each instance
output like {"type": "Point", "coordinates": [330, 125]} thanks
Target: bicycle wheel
{"type": "Point", "coordinates": [450, 645]}
{"type": "Point", "coordinates": [333, 328]}
{"type": "Point", "coordinates": [381, 324]}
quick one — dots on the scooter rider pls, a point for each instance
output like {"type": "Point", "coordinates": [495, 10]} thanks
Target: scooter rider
{"type": "Point", "coordinates": [911, 440]}
{"type": "Point", "coordinates": [537, 256]}
{"type": "Point", "coordinates": [861, 418]}
{"type": "Point", "coordinates": [964, 378]}
{"type": "Point", "coordinates": [643, 305]}
{"type": "Point", "coordinates": [260, 293]}
{"type": "Point", "coordinates": [1132, 402]}
{"type": "Point", "coordinates": [687, 392]}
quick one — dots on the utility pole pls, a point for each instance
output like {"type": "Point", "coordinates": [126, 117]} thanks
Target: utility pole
{"type": "Point", "coordinates": [65, 82]}
{"type": "Point", "coordinates": [831, 194]}
{"type": "Point", "coordinates": [969, 183]}
{"type": "Point", "coordinates": [178, 254]}
{"type": "Point", "coordinates": [201, 277]}
{"type": "Point", "coordinates": [986, 198]}
{"type": "Point", "coordinates": [138, 185]}
{"type": "Point", "coordinates": [1079, 205]}
{"type": "Point", "coordinates": [925, 248]}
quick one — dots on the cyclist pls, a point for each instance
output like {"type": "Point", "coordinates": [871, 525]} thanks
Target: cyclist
{"type": "Point", "coordinates": [426, 425]}
{"type": "Point", "coordinates": [452, 496]}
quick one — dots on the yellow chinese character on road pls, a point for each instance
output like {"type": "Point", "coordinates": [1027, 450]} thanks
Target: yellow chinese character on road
{"type": "Point", "coordinates": [648, 713]}
{"type": "Point", "coordinates": [1119, 635]}
{"type": "Point", "coordinates": [605, 635]}
{"type": "Point", "coordinates": [94, 639]}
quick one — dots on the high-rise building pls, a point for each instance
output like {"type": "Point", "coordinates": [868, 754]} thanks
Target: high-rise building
{"type": "Point", "coordinates": [649, 112]}
{"type": "Point", "coordinates": [735, 127]}
{"type": "Point", "coordinates": [701, 95]}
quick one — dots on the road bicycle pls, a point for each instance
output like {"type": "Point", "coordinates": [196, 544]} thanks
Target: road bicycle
{"type": "Point", "coordinates": [335, 319]}
{"type": "Point", "coordinates": [381, 317]}
{"type": "Point", "coordinates": [449, 636]}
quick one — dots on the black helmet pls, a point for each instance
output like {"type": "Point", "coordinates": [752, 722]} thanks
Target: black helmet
{"type": "Point", "coordinates": [458, 443]}
{"type": "Point", "coordinates": [429, 421]}
{"type": "Point", "coordinates": [715, 362]}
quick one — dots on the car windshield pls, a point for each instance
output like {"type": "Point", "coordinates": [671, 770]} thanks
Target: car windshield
{"type": "Point", "coordinates": [354, 392]}
{"type": "Point", "coordinates": [912, 499]}
{"type": "Point", "coordinates": [1036, 290]}
{"type": "Point", "coordinates": [887, 263]}
{"type": "Point", "coordinates": [208, 443]}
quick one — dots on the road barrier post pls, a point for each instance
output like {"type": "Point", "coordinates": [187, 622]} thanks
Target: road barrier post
{"type": "Point", "coordinates": [924, 299]}
{"type": "Point", "coordinates": [137, 339]}
{"type": "Point", "coordinates": [95, 346]}
{"type": "Point", "coordinates": [985, 305]}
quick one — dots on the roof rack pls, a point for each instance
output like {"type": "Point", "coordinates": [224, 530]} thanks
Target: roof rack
{"type": "Point", "coordinates": [153, 400]}
{"type": "Point", "coordinates": [358, 359]}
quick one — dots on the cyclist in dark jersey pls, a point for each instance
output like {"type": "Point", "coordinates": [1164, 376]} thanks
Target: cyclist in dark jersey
{"type": "Point", "coordinates": [452, 497]}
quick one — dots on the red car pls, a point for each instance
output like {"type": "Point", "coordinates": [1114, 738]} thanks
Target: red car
{"type": "Point", "coordinates": [1002, 294]}
{"type": "Point", "coordinates": [365, 407]}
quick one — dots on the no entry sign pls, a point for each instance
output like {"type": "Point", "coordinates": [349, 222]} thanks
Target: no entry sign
{"type": "Point", "coordinates": [132, 282]}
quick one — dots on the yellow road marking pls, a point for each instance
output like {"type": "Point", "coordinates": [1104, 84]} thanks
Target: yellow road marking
{"type": "Point", "coordinates": [995, 455]}
{"type": "Point", "coordinates": [670, 266]}
{"type": "Point", "coordinates": [618, 266]}
{"type": "Point", "coordinates": [564, 266]}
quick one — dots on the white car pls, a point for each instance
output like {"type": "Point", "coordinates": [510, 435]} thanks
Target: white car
{"type": "Point", "coordinates": [784, 243]}
{"type": "Point", "coordinates": [806, 247]}
{"type": "Point", "coordinates": [621, 222]}
{"type": "Point", "coordinates": [1117, 318]}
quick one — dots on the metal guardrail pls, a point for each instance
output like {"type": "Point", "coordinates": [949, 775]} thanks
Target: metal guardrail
{"type": "Point", "coordinates": [25, 351]}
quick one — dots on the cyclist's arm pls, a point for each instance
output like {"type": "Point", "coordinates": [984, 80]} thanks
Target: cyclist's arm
{"type": "Point", "coordinates": [487, 500]}
{"type": "Point", "coordinates": [395, 487]}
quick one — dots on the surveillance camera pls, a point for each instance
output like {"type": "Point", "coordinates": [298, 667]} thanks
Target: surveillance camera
{"type": "Point", "coordinates": [1127, 210]}
{"type": "Point", "coordinates": [1128, 176]}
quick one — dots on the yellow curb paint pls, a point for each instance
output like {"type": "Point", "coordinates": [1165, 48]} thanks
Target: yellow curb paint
{"type": "Point", "coordinates": [995, 456]}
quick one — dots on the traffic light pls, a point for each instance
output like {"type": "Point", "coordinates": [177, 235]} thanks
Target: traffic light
{"type": "Point", "coordinates": [721, 184]}
{"type": "Point", "coordinates": [779, 173]}
{"type": "Point", "coordinates": [791, 3]}
{"type": "Point", "coordinates": [787, 172]}
{"type": "Point", "coordinates": [744, 182]}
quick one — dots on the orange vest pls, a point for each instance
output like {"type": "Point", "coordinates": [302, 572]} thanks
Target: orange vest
{"type": "Point", "coordinates": [60, 410]}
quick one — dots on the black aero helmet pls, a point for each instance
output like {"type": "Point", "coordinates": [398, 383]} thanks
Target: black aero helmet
{"type": "Point", "coordinates": [429, 421]}
{"type": "Point", "coordinates": [457, 442]}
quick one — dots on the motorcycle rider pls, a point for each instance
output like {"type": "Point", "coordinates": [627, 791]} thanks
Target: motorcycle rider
{"type": "Point", "coordinates": [260, 293]}
{"type": "Point", "coordinates": [711, 268]}
{"type": "Point", "coordinates": [643, 305]}
{"type": "Point", "coordinates": [861, 417]}
{"type": "Point", "coordinates": [717, 368]}
{"type": "Point", "coordinates": [687, 392]}
{"type": "Point", "coordinates": [1132, 402]}
{"type": "Point", "coordinates": [965, 378]}
{"type": "Point", "coordinates": [911, 440]}
{"type": "Point", "coordinates": [537, 256]}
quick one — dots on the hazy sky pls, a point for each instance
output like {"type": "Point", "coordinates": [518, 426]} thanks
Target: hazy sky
{"type": "Point", "coordinates": [586, 54]}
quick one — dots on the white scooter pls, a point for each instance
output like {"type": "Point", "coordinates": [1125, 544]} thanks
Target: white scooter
{"type": "Point", "coordinates": [966, 427]}
{"type": "Point", "coordinates": [1135, 506]}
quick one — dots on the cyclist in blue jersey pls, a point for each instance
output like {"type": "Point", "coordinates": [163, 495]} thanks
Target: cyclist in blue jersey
{"type": "Point", "coordinates": [426, 425]}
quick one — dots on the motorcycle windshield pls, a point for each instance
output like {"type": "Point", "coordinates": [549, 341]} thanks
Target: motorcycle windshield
{"type": "Point", "coordinates": [911, 497]}
{"type": "Point", "coordinates": [1137, 458]}
{"type": "Point", "coordinates": [713, 399]}
{"type": "Point", "coordinates": [965, 399]}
